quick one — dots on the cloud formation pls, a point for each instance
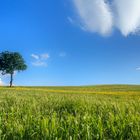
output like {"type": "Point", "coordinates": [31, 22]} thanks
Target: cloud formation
{"type": "Point", "coordinates": [1, 82]}
{"type": "Point", "coordinates": [71, 20]}
{"type": "Point", "coordinates": [94, 14]}
{"type": "Point", "coordinates": [35, 56]}
{"type": "Point", "coordinates": [62, 54]}
{"type": "Point", "coordinates": [40, 60]}
{"type": "Point", "coordinates": [102, 16]}
{"type": "Point", "coordinates": [138, 68]}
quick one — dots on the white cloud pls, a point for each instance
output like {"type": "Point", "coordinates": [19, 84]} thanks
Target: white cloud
{"type": "Point", "coordinates": [35, 56]}
{"type": "Point", "coordinates": [1, 82]}
{"type": "Point", "coordinates": [5, 77]}
{"type": "Point", "coordinates": [127, 13]}
{"type": "Point", "coordinates": [40, 60]}
{"type": "Point", "coordinates": [95, 15]}
{"type": "Point", "coordinates": [138, 68]}
{"type": "Point", "coordinates": [70, 20]}
{"type": "Point", "coordinates": [103, 15]}
{"type": "Point", "coordinates": [39, 63]}
{"type": "Point", "coordinates": [44, 56]}
{"type": "Point", "coordinates": [62, 54]}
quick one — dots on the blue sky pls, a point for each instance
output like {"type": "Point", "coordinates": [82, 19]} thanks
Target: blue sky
{"type": "Point", "coordinates": [62, 45]}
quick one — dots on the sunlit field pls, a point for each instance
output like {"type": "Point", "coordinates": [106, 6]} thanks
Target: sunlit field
{"type": "Point", "coordinates": [70, 113]}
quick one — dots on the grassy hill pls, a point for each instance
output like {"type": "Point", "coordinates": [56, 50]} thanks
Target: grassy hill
{"type": "Point", "coordinates": [70, 113]}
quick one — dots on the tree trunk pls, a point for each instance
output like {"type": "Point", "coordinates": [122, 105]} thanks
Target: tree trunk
{"type": "Point", "coordinates": [11, 79]}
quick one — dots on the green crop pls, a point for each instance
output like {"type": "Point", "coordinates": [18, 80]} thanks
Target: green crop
{"type": "Point", "coordinates": [70, 113]}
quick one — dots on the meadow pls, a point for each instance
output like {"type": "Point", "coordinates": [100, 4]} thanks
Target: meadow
{"type": "Point", "coordinates": [70, 113]}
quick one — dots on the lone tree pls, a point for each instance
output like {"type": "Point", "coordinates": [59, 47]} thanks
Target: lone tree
{"type": "Point", "coordinates": [11, 62]}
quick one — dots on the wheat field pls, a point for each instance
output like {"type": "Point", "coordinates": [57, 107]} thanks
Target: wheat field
{"type": "Point", "coordinates": [70, 113]}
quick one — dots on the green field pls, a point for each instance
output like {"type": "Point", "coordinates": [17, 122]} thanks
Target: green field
{"type": "Point", "coordinates": [70, 113]}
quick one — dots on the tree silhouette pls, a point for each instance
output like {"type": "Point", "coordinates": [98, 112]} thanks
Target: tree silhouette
{"type": "Point", "coordinates": [11, 62]}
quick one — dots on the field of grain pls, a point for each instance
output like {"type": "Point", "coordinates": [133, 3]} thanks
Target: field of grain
{"type": "Point", "coordinates": [70, 113]}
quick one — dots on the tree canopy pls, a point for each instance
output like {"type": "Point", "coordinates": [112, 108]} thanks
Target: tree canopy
{"type": "Point", "coordinates": [11, 62]}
